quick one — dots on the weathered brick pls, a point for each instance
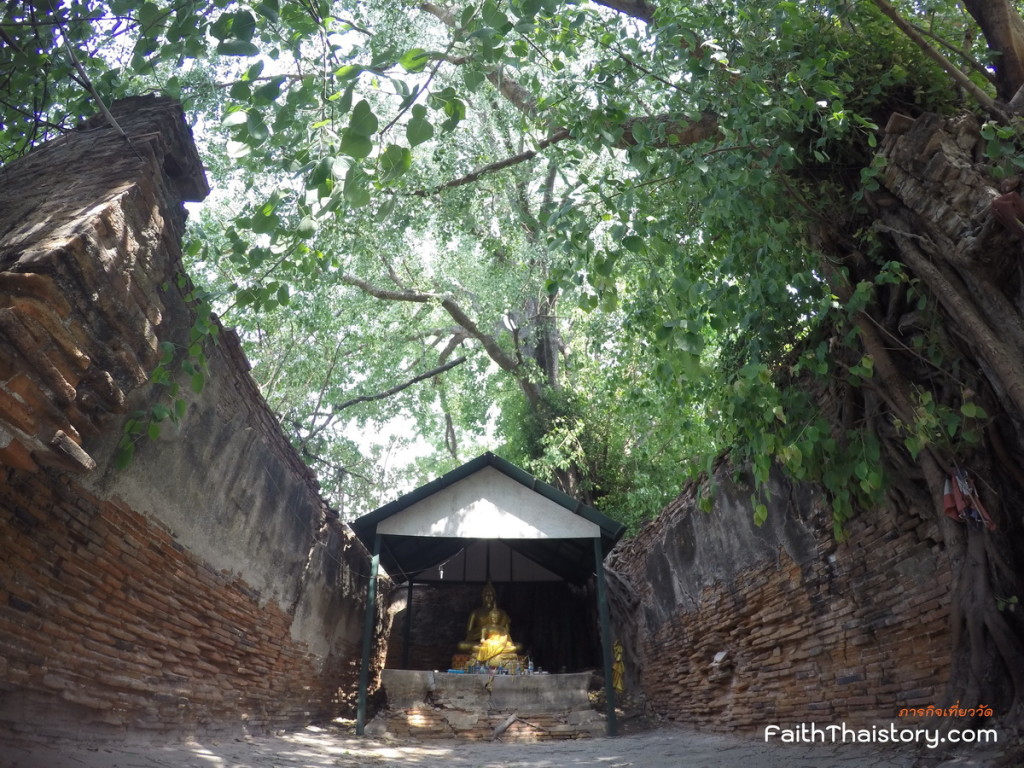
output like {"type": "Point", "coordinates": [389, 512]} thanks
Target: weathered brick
{"type": "Point", "coordinates": [101, 609]}
{"type": "Point", "coordinates": [876, 637]}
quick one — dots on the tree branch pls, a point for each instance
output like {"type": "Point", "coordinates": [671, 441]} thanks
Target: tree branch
{"type": "Point", "coordinates": [458, 314]}
{"type": "Point", "coordinates": [453, 344]}
{"type": "Point", "coordinates": [291, 77]}
{"type": "Point", "coordinates": [442, 13]}
{"type": "Point", "coordinates": [420, 297]}
{"type": "Point", "coordinates": [517, 95]}
{"type": "Point", "coordinates": [399, 387]}
{"type": "Point", "coordinates": [667, 132]}
{"type": "Point", "coordinates": [951, 69]}
{"type": "Point", "coordinates": [976, 65]}
{"type": "Point", "coordinates": [92, 90]}
{"type": "Point", "coordinates": [508, 162]}
{"type": "Point", "coordinates": [494, 350]}
{"type": "Point", "coordinates": [636, 9]}
{"type": "Point", "coordinates": [1004, 32]}
{"type": "Point", "coordinates": [323, 393]}
{"type": "Point", "coordinates": [391, 271]}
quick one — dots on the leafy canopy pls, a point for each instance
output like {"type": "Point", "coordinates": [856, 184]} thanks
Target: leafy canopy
{"type": "Point", "coordinates": [580, 234]}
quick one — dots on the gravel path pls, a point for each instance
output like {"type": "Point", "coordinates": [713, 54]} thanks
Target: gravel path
{"type": "Point", "coordinates": [316, 747]}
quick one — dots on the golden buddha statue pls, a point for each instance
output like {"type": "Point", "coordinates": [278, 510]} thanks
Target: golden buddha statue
{"type": "Point", "coordinates": [488, 633]}
{"type": "Point", "coordinates": [618, 667]}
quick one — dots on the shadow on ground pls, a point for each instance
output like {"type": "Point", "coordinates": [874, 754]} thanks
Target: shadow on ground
{"type": "Point", "coordinates": [335, 746]}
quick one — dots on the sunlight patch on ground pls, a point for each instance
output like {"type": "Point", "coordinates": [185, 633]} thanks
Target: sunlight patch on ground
{"type": "Point", "coordinates": [205, 754]}
{"type": "Point", "coordinates": [323, 741]}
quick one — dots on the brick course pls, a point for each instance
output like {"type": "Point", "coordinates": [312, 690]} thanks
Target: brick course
{"type": "Point", "coordinates": [813, 630]}
{"type": "Point", "coordinates": [140, 635]}
{"type": "Point", "coordinates": [207, 587]}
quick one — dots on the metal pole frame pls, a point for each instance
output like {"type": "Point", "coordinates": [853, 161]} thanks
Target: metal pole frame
{"type": "Point", "coordinates": [606, 637]}
{"type": "Point", "coordinates": [368, 624]}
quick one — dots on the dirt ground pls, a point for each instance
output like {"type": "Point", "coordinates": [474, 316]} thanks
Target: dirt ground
{"type": "Point", "coordinates": [335, 746]}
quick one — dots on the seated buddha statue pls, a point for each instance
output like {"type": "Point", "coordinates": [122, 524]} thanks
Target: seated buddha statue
{"type": "Point", "coordinates": [488, 633]}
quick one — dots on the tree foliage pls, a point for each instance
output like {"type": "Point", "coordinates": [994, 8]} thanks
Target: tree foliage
{"type": "Point", "coordinates": [616, 238]}
{"type": "Point", "coordinates": [421, 180]}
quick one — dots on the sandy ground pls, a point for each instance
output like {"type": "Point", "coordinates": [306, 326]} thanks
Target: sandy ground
{"type": "Point", "coordinates": [335, 747]}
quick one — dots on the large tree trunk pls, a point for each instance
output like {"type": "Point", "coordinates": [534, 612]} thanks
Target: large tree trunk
{"type": "Point", "coordinates": [937, 220]}
{"type": "Point", "coordinates": [1004, 31]}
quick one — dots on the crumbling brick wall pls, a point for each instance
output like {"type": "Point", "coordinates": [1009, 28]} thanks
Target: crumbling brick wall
{"type": "Point", "coordinates": [205, 586]}
{"type": "Point", "coordinates": [730, 626]}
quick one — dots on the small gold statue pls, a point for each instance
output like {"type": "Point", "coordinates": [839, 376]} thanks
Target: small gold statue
{"type": "Point", "coordinates": [618, 667]}
{"type": "Point", "coordinates": [488, 633]}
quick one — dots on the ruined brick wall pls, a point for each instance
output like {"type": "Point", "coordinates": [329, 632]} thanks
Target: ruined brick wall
{"type": "Point", "coordinates": [804, 629]}
{"type": "Point", "coordinates": [207, 585]}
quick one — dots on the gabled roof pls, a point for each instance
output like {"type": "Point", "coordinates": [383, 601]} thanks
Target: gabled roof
{"type": "Point", "coordinates": [488, 498]}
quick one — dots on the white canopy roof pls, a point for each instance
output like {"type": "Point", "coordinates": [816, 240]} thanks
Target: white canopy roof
{"type": "Point", "coordinates": [488, 505]}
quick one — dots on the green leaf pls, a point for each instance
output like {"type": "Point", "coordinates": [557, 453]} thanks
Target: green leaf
{"type": "Point", "coordinates": [760, 514]}
{"type": "Point", "coordinates": [355, 145]}
{"type": "Point", "coordinates": [633, 243]}
{"type": "Point", "coordinates": [386, 209]}
{"type": "Point", "coordinates": [254, 71]}
{"type": "Point", "coordinates": [914, 445]}
{"type": "Point", "coordinates": [456, 111]}
{"type": "Point", "coordinates": [197, 382]}
{"type": "Point", "coordinates": [362, 122]}
{"type": "Point", "coordinates": [973, 411]}
{"type": "Point", "coordinates": [243, 25]}
{"type": "Point", "coordinates": [149, 14]}
{"type": "Point", "coordinates": [474, 79]}
{"type": "Point", "coordinates": [268, 9]}
{"type": "Point", "coordinates": [268, 93]}
{"type": "Point", "coordinates": [306, 229]}
{"type": "Point", "coordinates": [414, 60]}
{"type": "Point", "coordinates": [124, 454]}
{"type": "Point", "coordinates": [395, 161]}
{"type": "Point", "coordinates": [235, 47]}
{"type": "Point", "coordinates": [356, 191]}
{"type": "Point", "coordinates": [221, 29]}
{"type": "Point", "coordinates": [418, 130]}
{"type": "Point", "coordinates": [494, 16]}
{"type": "Point", "coordinates": [258, 130]}
{"type": "Point", "coordinates": [348, 71]}
{"type": "Point", "coordinates": [240, 91]}
{"type": "Point", "coordinates": [762, 467]}
{"type": "Point", "coordinates": [321, 173]}
{"type": "Point", "coordinates": [344, 100]}
{"type": "Point", "coordinates": [264, 223]}
{"type": "Point", "coordinates": [235, 119]}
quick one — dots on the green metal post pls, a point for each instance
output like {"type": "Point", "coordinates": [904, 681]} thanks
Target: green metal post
{"type": "Point", "coordinates": [369, 622]}
{"type": "Point", "coordinates": [606, 637]}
